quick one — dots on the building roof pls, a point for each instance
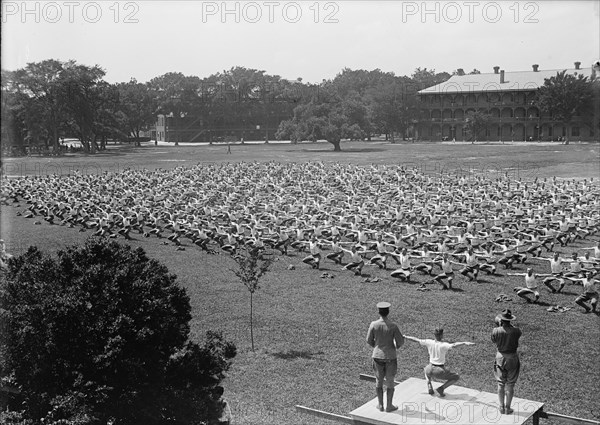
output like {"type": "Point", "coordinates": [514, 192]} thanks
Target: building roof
{"type": "Point", "coordinates": [518, 80]}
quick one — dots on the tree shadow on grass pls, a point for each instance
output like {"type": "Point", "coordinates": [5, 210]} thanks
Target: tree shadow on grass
{"type": "Point", "coordinates": [97, 154]}
{"type": "Point", "coordinates": [343, 151]}
{"type": "Point", "coordinates": [296, 354]}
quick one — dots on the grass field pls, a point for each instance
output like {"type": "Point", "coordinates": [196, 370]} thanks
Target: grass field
{"type": "Point", "coordinates": [310, 332]}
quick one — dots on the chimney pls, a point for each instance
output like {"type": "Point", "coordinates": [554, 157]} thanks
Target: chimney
{"type": "Point", "coordinates": [496, 69]}
{"type": "Point", "coordinates": [577, 64]}
{"type": "Point", "coordinates": [502, 77]}
{"type": "Point", "coordinates": [535, 67]}
{"type": "Point", "coordinates": [460, 71]}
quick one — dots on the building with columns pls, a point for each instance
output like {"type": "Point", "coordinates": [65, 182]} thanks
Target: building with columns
{"type": "Point", "coordinates": [508, 97]}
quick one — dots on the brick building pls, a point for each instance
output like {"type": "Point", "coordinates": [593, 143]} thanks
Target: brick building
{"type": "Point", "coordinates": [508, 97]}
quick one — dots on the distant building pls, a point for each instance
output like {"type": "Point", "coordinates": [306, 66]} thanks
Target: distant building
{"type": "Point", "coordinates": [507, 97]}
{"type": "Point", "coordinates": [255, 122]}
{"type": "Point", "coordinates": [180, 129]}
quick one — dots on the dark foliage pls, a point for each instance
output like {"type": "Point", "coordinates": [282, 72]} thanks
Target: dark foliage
{"type": "Point", "coordinates": [100, 333]}
{"type": "Point", "coordinates": [565, 97]}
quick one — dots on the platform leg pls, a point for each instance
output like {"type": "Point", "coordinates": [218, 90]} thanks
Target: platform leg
{"type": "Point", "coordinates": [536, 418]}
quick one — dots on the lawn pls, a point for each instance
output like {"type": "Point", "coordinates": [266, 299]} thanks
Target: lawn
{"type": "Point", "coordinates": [310, 331]}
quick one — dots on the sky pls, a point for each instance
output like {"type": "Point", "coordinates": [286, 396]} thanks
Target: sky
{"type": "Point", "coordinates": [312, 40]}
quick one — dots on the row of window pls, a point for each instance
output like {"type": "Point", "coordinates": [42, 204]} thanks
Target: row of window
{"type": "Point", "coordinates": [459, 114]}
{"type": "Point", "coordinates": [483, 98]}
{"type": "Point", "coordinates": [496, 131]}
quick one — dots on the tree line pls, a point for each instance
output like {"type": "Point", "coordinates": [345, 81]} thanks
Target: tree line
{"type": "Point", "coordinates": [47, 100]}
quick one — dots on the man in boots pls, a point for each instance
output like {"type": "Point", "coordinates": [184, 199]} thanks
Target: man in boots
{"type": "Point", "coordinates": [507, 364]}
{"type": "Point", "coordinates": [385, 338]}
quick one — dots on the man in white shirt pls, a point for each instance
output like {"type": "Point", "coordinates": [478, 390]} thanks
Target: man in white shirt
{"type": "Point", "coordinates": [436, 368]}
{"type": "Point", "coordinates": [531, 285]}
{"type": "Point", "coordinates": [314, 259]}
{"type": "Point", "coordinates": [590, 292]}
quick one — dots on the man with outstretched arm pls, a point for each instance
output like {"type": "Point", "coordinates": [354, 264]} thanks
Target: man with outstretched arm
{"type": "Point", "coordinates": [531, 285]}
{"type": "Point", "coordinates": [385, 338]}
{"type": "Point", "coordinates": [436, 368]}
{"type": "Point", "coordinates": [590, 292]}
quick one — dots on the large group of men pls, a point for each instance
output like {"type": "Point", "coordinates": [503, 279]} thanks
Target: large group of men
{"type": "Point", "coordinates": [399, 219]}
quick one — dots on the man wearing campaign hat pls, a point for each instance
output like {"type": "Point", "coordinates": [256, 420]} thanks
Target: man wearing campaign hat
{"type": "Point", "coordinates": [385, 338]}
{"type": "Point", "coordinates": [507, 364]}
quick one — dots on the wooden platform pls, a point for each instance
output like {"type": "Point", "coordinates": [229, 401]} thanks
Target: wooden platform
{"type": "Point", "coordinates": [460, 406]}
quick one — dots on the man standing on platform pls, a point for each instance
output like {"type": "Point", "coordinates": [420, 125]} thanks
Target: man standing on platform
{"type": "Point", "coordinates": [385, 338]}
{"type": "Point", "coordinates": [507, 364]}
{"type": "Point", "coordinates": [437, 358]}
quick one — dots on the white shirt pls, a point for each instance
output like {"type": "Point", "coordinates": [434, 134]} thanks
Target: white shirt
{"type": "Point", "coordinates": [556, 265]}
{"type": "Point", "coordinates": [530, 281]}
{"type": "Point", "coordinates": [437, 350]}
{"type": "Point", "coordinates": [356, 258]}
{"type": "Point", "coordinates": [314, 248]}
{"type": "Point", "coordinates": [471, 259]}
{"type": "Point", "coordinates": [446, 266]}
{"type": "Point", "coordinates": [404, 261]}
{"type": "Point", "coordinates": [589, 285]}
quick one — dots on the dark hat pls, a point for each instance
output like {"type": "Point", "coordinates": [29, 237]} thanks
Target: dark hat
{"type": "Point", "coordinates": [383, 304]}
{"type": "Point", "coordinates": [507, 315]}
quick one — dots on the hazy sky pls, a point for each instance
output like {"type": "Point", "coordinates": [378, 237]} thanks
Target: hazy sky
{"type": "Point", "coordinates": [308, 39]}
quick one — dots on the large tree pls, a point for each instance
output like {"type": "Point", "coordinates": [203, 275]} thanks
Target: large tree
{"type": "Point", "coordinates": [317, 121]}
{"type": "Point", "coordinates": [52, 98]}
{"type": "Point", "coordinates": [355, 105]}
{"type": "Point", "coordinates": [92, 104]}
{"type": "Point", "coordinates": [13, 125]}
{"type": "Point", "coordinates": [100, 333]}
{"type": "Point", "coordinates": [428, 77]}
{"type": "Point", "coordinates": [40, 94]}
{"type": "Point", "coordinates": [176, 93]}
{"type": "Point", "coordinates": [566, 97]}
{"type": "Point", "coordinates": [137, 108]}
{"type": "Point", "coordinates": [476, 123]}
{"type": "Point", "coordinates": [392, 104]}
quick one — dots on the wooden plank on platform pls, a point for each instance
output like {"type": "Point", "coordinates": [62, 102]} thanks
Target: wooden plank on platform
{"type": "Point", "coordinates": [460, 406]}
{"type": "Point", "coordinates": [567, 419]}
{"type": "Point", "coordinates": [326, 415]}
